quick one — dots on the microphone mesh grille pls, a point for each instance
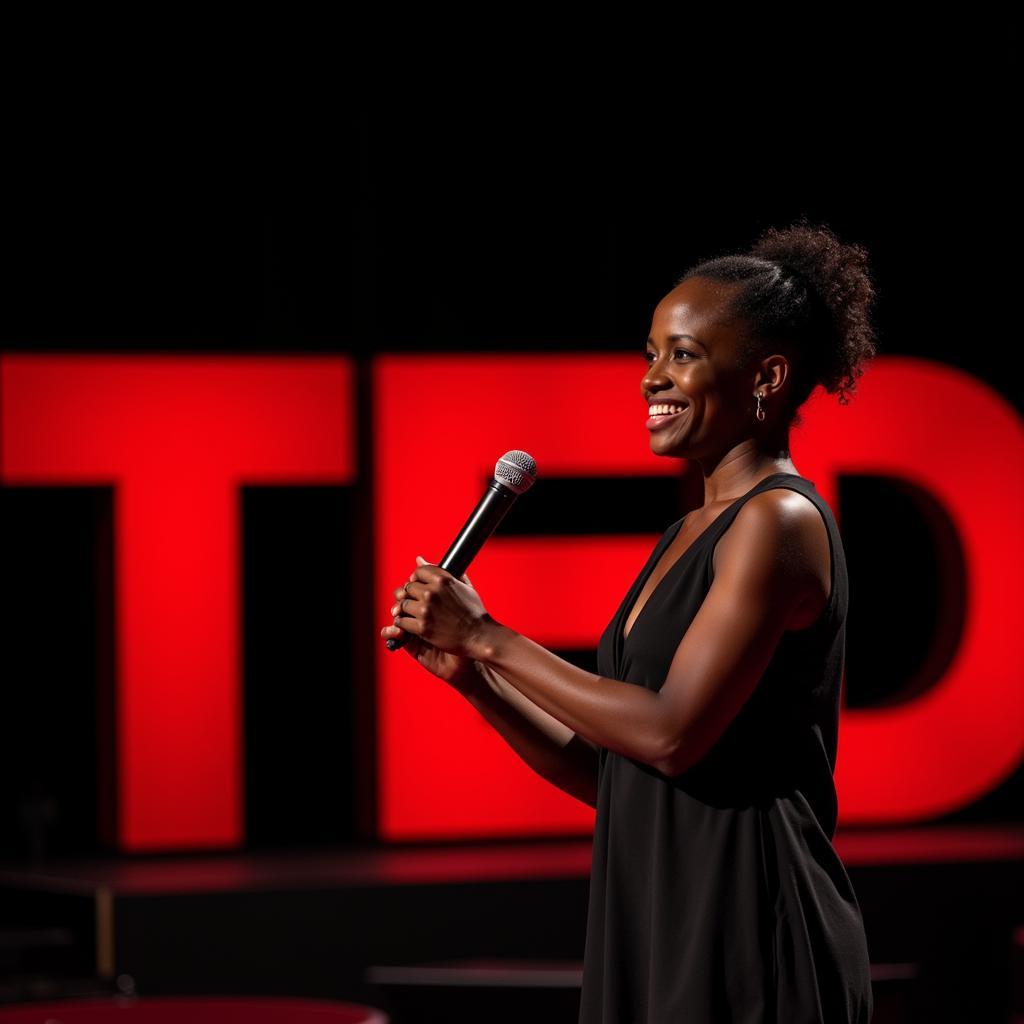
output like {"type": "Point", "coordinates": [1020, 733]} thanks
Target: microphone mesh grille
{"type": "Point", "coordinates": [516, 470]}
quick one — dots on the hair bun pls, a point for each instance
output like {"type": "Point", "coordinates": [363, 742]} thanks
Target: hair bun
{"type": "Point", "coordinates": [790, 268]}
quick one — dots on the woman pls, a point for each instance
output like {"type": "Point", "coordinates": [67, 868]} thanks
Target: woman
{"type": "Point", "coordinates": [707, 743]}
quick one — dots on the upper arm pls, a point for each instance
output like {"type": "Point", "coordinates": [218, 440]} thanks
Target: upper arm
{"type": "Point", "coordinates": [764, 570]}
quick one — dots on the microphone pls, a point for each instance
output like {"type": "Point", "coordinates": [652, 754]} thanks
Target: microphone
{"type": "Point", "coordinates": [514, 474]}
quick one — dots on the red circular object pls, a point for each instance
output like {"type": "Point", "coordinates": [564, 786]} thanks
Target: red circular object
{"type": "Point", "coordinates": [192, 1010]}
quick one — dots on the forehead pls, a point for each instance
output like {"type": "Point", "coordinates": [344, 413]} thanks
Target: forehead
{"type": "Point", "coordinates": [700, 307]}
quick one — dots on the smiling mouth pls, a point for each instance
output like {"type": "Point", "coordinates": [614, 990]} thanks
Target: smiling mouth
{"type": "Point", "coordinates": [663, 419]}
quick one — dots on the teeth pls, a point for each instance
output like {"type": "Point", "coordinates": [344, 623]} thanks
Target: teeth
{"type": "Point", "coordinates": [665, 410]}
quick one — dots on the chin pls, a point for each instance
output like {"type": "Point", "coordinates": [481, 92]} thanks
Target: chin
{"type": "Point", "coordinates": [671, 453]}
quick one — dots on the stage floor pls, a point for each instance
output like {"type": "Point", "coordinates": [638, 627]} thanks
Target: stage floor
{"type": "Point", "coordinates": [476, 923]}
{"type": "Point", "coordinates": [425, 863]}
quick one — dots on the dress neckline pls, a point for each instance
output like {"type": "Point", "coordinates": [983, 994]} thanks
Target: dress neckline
{"type": "Point", "coordinates": [623, 636]}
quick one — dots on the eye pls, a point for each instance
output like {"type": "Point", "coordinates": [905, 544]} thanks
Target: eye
{"type": "Point", "coordinates": [678, 352]}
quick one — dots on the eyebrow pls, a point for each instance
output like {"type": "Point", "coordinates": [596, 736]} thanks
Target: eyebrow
{"type": "Point", "coordinates": [679, 337]}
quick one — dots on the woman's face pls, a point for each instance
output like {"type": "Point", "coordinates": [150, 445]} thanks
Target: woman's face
{"type": "Point", "coordinates": [692, 356]}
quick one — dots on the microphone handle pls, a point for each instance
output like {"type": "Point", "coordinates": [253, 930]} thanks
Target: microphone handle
{"type": "Point", "coordinates": [489, 512]}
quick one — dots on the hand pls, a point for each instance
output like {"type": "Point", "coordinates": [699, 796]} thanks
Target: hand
{"type": "Point", "coordinates": [455, 669]}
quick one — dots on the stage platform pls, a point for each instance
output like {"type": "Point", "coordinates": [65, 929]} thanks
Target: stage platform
{"type": "Point", "coordinates": [448, 929]}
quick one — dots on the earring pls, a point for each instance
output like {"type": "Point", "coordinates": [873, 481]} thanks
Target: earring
{"type": "Point", "coordinates": [760, 411]}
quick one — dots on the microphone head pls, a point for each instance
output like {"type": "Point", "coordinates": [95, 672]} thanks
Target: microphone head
{"type": "Point", "coordinates": [516, 470]}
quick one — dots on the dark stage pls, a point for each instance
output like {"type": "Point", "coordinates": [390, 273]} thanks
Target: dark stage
{"type": "Point", "coordinates": [473, 931]}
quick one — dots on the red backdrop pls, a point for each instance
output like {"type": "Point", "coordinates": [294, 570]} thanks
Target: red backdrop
{"type": "Point", "coordinates": [176, 436]}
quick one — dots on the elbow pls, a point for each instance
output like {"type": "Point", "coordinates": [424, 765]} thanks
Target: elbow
{"type": "Point", "coordinates": [671, 767]}
{"type": "Point", "coordinates": [671, 759]}
{"type": "Point", "coordinates": [674, 744]}
{"type": "Point", "coordinates": [684, 745]}
{"type": "Point", "coordinates": [682, 752]}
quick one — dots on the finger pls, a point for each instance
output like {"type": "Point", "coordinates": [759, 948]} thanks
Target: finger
{"type": "Point", "coordinates": [399, 594]}
{"type": "Point", "coordinates": [428, 572]}
{"type": "Point", "coordinates": [413, 644]}
{"type": "Point", "coordinates": [406, 606]}
{"type": "Point", "coordinates": [411, 602]}
{"type": "Point", "coordinates": [409, 624]}
{"type": "Point", "coordinates": [420, 560]}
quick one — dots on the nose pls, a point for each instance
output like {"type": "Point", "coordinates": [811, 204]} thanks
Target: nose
{"type": "Point", "coordinates": [654, 377]}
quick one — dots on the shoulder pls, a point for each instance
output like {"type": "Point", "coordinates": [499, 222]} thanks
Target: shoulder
{"type": "Point", "coordinates": [780, 535]}
{"type": "Point", "coordinates": [782, 510]}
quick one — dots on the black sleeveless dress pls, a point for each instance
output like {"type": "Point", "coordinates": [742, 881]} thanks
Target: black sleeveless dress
{"type": "Point", "coordinates": [716, 896]}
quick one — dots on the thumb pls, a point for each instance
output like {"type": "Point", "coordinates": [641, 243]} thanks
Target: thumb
{"type": "Point", "coordinates": [420, 560]}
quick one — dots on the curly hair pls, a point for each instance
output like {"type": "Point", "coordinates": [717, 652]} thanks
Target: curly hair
{"type": "Point", "coordinates": [807, 295]}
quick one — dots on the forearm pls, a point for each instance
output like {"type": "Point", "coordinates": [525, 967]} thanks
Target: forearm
{"type": "Point", "coordinates": [620, 716]}
{"type": "Point", "coordinates": [550, 748]}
